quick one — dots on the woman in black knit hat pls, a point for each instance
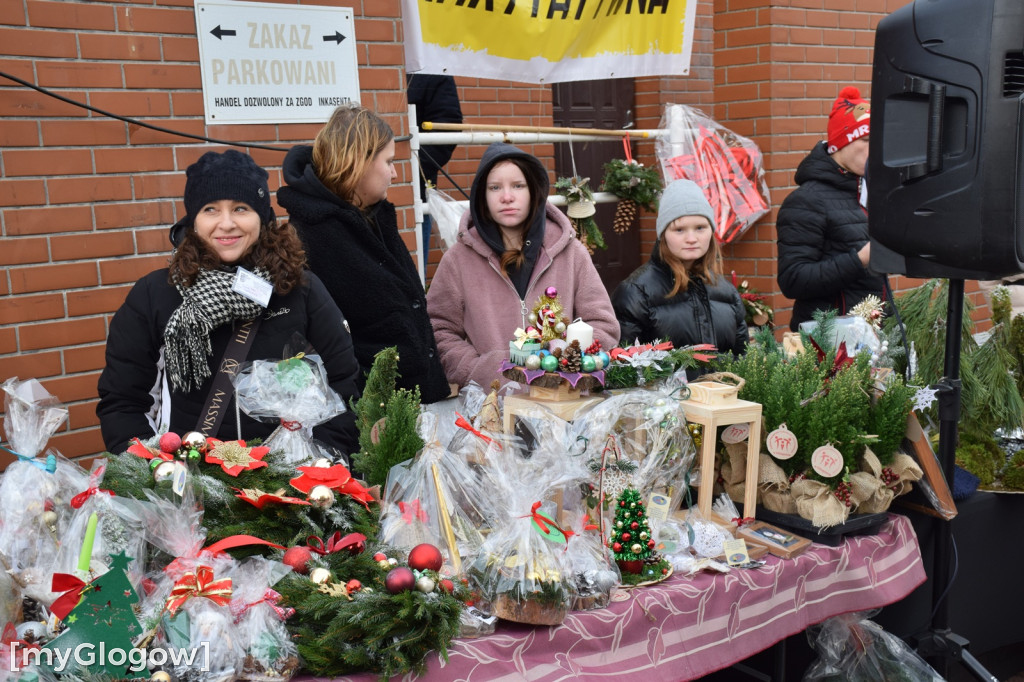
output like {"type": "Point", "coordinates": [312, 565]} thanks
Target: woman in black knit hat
{"type": "Point", "coordinates": [236, 289]}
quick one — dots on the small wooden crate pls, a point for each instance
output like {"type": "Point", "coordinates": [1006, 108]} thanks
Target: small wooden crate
{"type": "Point", "coordinates": [712, 392]}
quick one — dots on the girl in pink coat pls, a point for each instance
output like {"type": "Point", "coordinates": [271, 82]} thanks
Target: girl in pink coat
{"type": "Point", "coordinates": [512, 246]}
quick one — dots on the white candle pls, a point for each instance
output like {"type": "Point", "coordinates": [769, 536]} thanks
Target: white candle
{"type": "Point", "coordinates": [580, 331]}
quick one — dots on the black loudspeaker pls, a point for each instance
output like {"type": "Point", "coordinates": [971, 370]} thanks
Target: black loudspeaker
{"type": "Point", "coordinates": [945, 165]}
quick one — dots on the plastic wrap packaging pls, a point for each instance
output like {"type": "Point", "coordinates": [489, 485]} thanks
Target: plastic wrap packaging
{"type": "Point", "coordinates": [594, 572]}
{"type": "Point", "coordinates": [636, 438]}
{"type": "Point", "coordinates": [270, 653]}
{"type": "Point", "coordinates": [523, 571]}
{"type": "Point", "coordinates": [727, 166]}
{"type": "Point", "coordinates": [852, 648]}
{"type": "Point", "coordinates": [119, 527]}
{"type": "Point", "coordinates": [295, 393]}
{"type": "Point", "coordinates": [446, 212]}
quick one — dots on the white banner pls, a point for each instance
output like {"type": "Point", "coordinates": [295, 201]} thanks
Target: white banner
{"type": "Point", "coordinates": [549, 41]}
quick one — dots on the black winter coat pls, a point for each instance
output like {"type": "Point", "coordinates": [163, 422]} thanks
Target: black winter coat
{"type": "Point", "coordinates": [437, 100]}
{"type": "Point", "coordinates": [704, 313]}
{"type": "Point", "coordinates": [821, 226]}
{"type": "Point", "coordinates": [135, 343]}
{"type": "Point", "coordinates": [369, 273]}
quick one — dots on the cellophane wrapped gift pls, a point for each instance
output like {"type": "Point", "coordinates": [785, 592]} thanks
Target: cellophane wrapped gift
{"type": "Point", "coordinates": [636, 438]}
{"type": "Point", "coordinates": [594, 571]}
{"type": "Point", "coordinates": [523, 572]}
{"type": "Point", "coordinates": [34, 490]}
{"type": "Point", "coordinates": [270, 653]}
{"type": "Point", "coordinates": [727, 166]}
{"type": "Point", "coordinates": [119, 527]}
{"type": "Point", "coordinates": [296, 394]}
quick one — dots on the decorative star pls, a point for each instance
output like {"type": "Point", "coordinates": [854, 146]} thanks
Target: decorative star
{"type": "Point", "coordinates": [234, 456]}
{"type": "Point", "coordinates": [72, 618]}
{"type": "Point", "coordinates": [120, 560]}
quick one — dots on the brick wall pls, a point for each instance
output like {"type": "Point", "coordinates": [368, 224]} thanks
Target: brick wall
{"type": "Point", "coordinates": [85, 199]}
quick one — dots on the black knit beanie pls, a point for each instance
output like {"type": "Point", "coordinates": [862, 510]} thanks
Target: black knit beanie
{"type": "Point", "coordinates": [231, 175]}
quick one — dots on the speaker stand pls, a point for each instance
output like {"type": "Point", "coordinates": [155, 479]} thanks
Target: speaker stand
{"type": "Point", "coordinates": [939, 644]}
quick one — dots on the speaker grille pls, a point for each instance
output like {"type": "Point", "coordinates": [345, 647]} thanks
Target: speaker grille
{"type": "Point", "coordinates": [1013, 74]}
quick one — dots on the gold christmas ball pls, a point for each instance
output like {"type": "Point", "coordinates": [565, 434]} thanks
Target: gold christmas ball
{"type": "Point", "coordinates": [321, 496]}
{"type": "Point", "coordinates": [636, 549]}
{"type": "Point", "coordinates": [319, 575]}
{"type": "Point", "coordinates": [383, 563]}
{"type": "Point", "coordinates": [323, 463]}
{"type": "Point", "coordinates": [193, 440]}
{"type": "Point", "coordinates": [164, 472]}
{"type": "Point", "coordinates": [643, 535]}
{"type": "Point", "coordinates": [50, 519]}
{"type": "Point", "coordinates": [160, 676]}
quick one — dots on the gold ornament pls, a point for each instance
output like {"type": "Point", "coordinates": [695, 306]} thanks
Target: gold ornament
{"type": "Point", "coordinates": [636, 549]}
{"type": "Point", "coordinates": [50, 519]}
{"type": "Point", "coordinates": [321, 496]}
{"type": "Point", "coordinates": [383, 563]}
{"type": "Point", "coordinates": [320, 575]}
{"type": "Point", "coordinates": [193, 440]}
{"type": "Point", "coordinates": [160, 676]}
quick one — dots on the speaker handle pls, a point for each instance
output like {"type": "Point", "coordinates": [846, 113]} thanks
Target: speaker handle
{"type": "Point", "coordinates": [936, 93]}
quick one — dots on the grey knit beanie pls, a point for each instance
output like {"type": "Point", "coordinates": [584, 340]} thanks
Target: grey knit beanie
{"type": "Point", "coordinates": [231, 175]}
{"type": "Point", "coordinates": [682, 198]}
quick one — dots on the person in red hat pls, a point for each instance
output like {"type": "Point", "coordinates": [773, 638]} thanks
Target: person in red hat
{"type": "Point", "coordinates": [823, 226]}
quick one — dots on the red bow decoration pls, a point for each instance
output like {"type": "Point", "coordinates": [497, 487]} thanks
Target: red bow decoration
{"type": "Point", "coordinates": [633, 350]}
{"type": "Point", "coordinates": [545, 524]}
{"type": "Point", "coordinates": [336, 478]}
{"type": "Point", "coordinates": [94, 481]}
{"type": "Point", "coordinates": [199, 583]}
{"type": "Point", "coordinates": [234, 456]}
{"type": "Point", "coordinates": [588, 524]}
{"type": "Point", "coordinates": [412, 511]}
{"type": "Point", "coordinates": [138, 449]}
{"type": "Point", "coordinates": [230, 542]}
{"type": "Point", "coordinates": [703, 357]}
{"type": "Point", "coordinates": [463, 423]}
{"type": "Point", "coordinates": [72, 587]}
{"type": "Point", "coordinates": [9, 644]}
{"type": "Point", "coordinates": [740, 521]}
{"type": "Point", "coordinates": [353, 542]}
{"type": "Point", "coordinates": [271, 599]}
{"type": "Point", "coordinates": [842, 359]}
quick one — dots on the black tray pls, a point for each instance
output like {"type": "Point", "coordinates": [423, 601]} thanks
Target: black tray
{"type": "Point", "coordinates": [856, 524]}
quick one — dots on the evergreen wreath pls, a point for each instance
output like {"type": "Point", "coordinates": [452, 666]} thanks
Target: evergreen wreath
{"type": "Point", "coordinates": [636, 186]}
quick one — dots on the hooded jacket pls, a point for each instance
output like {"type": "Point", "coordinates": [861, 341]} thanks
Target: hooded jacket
{"type": "Point", "coordinates": [475, 307]}
{"type": "Point", "coordinates": [821, 226]}
{"type": "Point", "coordinates": [134, 349]}
{"type": "Point", "coordinates": [704, 313]}
{"type": "Point", "coordinates": [369, 273]}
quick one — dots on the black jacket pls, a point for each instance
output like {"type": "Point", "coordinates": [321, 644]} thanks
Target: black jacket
{"type": "Point", "coordinates": [369, 273]}
{"type": "Point", "coordinates": [437, 100]}
{"type": "Point", "coordinates": [821, 226]}
{"type": "Point", "coordinates": [136, 338]}
{"type": "Point", "coordinates": [704, 313]}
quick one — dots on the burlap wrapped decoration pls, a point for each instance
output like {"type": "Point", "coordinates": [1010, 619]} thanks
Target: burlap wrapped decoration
{"type": "Point", "coordinates": [816, 502]}
{"type": "Point", "coordinates": [885, 483]}
{"type": "Point", "coordinates": [773, 486]}
{"type": "Point", "coordinates": [734, 469]}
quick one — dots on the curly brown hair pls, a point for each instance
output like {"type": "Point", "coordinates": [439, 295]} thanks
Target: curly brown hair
{"type": "Point", "coordinates": [346, 146]}
{"type": "Point", "coordinates": [278, 251]}
{"type": "Point", "coordinates": [708, 267]}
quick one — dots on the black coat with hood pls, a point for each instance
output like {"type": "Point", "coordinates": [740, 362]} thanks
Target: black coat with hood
{"type": "Point", "coordinates": [703, 313]}
{"type": "Point", "coordinates": [821, 227]}
{"type": "Point", "coordinates": [369, 273]}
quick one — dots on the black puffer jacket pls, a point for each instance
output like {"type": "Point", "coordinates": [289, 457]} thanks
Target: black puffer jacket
{"type": "Point", "coordinates": [136, 338]}
{"type": "Point", "coordinates": [704, 313]}
{"type": "Point", "coordinates": [821, 227]}
{"type": "Point", "coordinates": [369, 273]}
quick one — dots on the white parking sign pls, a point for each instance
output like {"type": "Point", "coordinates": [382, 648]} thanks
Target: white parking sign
{"type": "Point", "coordinates": [270, 63]}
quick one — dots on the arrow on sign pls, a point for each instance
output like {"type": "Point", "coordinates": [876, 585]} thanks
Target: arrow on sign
{"type": "Point", "coordinates": [337, 37]}
{"type": "Point", "coordinates": [218, 32]}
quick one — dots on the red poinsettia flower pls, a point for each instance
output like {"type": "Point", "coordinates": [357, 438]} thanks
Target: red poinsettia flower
{"type": "Point", "coordinates": [234, 456]}
{"type": "Point", "coordinates": [258, 498]}
{"type": "Point", "coordinates": [139, 449]}
{"type": "Point", "coordinates": [336, 478]}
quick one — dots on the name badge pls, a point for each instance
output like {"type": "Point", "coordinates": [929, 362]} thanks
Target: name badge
{"type": "Point", "coordinates": [252, 286]}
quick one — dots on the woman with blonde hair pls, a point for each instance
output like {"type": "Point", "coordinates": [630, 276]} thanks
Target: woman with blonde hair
{"type": "Point", "coordinates": [336, 197]}
{"type": "Point", "coordinates": [680, 294]}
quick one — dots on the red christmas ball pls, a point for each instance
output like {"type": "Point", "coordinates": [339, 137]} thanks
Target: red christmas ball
{"type": "Point", "coordinates": [298, 559]}
{"type": "Point", "coordinates": [170, 442]}
{"type": "Point", "coordinates": [447, 586]}
{"type": "Point", "coordinates": [622, 503]}
{"type": "Point", "coordinates": [650, 544]}
{"type": "Point", "coordinates": [626, 537]}
{"type": "Point", "coordinates": [616, 547]}
{"type": "Point", "coordinates": [353, 586]}
{"type": "Point", "coordinates": [425, 557]}
{"type": "Point", "coordinates": [380, 556]}
{"type": "Point", "coordinates": [634, 525]}
{"type": "Point", "coordinates": [399, 579]}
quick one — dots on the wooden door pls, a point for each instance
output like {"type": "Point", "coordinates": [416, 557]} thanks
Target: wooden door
{"type": "Point", "coordinates": [606, 104]}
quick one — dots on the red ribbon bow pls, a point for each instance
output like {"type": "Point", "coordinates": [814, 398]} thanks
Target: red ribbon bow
{"type": "Point", "coordinates": [741, 521]}
{"type": "Point", "coordinates": [544, 522]}
{"type": "Point", "coordinates": [463, 423]}
{"type": "Point", "coordinates": [199, 583]}
{"type": "Point", "coordinates": [353, 542]}
{"type": "Point", "coordinates": [412, 511]}
{"type": "Point", "coordinates": [72, 587]}
{"type": "Point", "coordinates": [271, 599]}
{"type": "Point", "coordinates": [94, 481]}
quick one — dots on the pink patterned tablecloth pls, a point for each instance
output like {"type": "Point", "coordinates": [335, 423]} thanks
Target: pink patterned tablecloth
{"type": "Point", "coordinates": [687, 627]}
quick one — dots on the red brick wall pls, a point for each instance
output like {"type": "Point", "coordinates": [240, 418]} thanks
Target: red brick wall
{"type": "Point", "coordinates": [85, 200]}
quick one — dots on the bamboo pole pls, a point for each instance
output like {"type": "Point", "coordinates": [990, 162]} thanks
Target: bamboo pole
{"type": "Point", "coordinates": [429, 125]}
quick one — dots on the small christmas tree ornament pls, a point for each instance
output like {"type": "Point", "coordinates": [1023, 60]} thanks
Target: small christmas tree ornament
{"type": "Point", "coordinates": [425, 557]}
{"type": "Point", "coordinates": [320, 575]}
{"type": "Point", "coordinates": [297, 558]}
{"type": "Point", "coordinates": [399, 579]}
{"type": "Point", "coordinates": [170, 442]}
{"type": "Point", "coordinates": [193, 440]}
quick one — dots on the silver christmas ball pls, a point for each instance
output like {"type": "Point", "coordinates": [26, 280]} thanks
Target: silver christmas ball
{"type": "Point", "coordinates": [323, 463]}
{"type": "Point", "coordinates": [532, 362]}
{"type": "Point", "coordinates": [321, 496]}
{"type": "Point", "coordinates": [425, 584]}
{"type": "Point", "coordinates": [164, 472]}
{"type": "Point", "coordinates": [193, 440]}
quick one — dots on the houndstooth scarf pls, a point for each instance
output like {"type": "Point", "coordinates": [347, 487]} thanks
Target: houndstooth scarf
{"type": "Point", "coordinates": [206, 305]}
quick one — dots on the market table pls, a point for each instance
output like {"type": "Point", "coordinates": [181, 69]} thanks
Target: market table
{"type": "Point", "coordinates": [686, 627]}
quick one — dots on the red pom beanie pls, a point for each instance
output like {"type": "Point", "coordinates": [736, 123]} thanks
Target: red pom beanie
{"type": "Point", "coordinates": [849, 120]}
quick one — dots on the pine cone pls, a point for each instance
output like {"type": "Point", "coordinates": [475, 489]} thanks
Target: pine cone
{"type": "Point", "coordinates": [573, 356]}
{"type": "Point", "coordinates": [625, 213]}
